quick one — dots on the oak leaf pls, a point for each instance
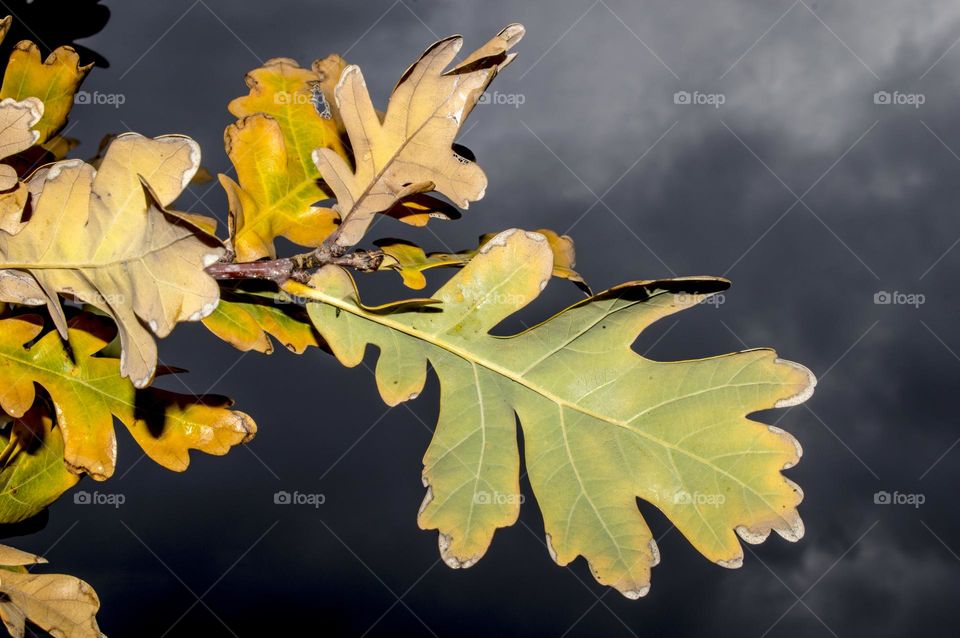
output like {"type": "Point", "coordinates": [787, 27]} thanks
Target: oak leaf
{"type": "Point", "coordinates": [270, 146]}
{"type": "Point", "coordinates": [244, 320]}
{"type": "Point", "coordinates": [87, 392]}
{"type": "Point", "coordinates": [54, 81]}
{"type": "Point", "coordinates": [410, 261]}
{"type": "Point", "coordinates": [18, 120]}
{"type": "Point", "coordinates": [602, 425]}
{"type": "Point", "coordinates": [32, 472]}
{"type": "Point", "coordinates": [410, 150]}
{"type": "Point", "coordinates": [104, 237]}
{"type": "Point", "coordinates": [63, 606]}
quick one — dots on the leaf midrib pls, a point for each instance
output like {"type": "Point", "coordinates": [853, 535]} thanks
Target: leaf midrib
{"type": "Point", "coordinates": [85, 382]}
{"type": "Point", "coordinates": [59, 375]}
{"type": "Point", "coordinates": [302, 191]}
{"type": "Point", "coordinates": [378, 175]}
{"type": "Point", "coordinates": [67, 265]}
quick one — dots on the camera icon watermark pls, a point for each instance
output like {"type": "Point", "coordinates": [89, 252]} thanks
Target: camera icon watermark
{"type": "Point", "coordinates": [899, 498]}
{"type": "Point", "coordinates": [897, 298]}
{"type": "Point", "coordinates": [684, 98]}
{"type": "Point", "coordinates": [96, 98]}
{"type": "Point", "coordinates": [896, 98]}
{"type": "Point", "coordinates": [314, 500]}
{"type": "Point", "coordinates": [99, 498]}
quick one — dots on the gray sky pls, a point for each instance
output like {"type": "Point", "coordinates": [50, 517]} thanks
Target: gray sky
{"type": "Point", "coordinates": [802, 189]}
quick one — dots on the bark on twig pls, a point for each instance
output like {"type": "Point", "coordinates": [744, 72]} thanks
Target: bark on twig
{"type": "Point", "coordinates": [298, 267]}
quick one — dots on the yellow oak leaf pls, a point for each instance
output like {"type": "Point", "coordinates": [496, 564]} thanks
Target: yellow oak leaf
{"type": "Point", "coordinates": [53, 81]}
{"type": "Point", "coordinates": [277, 185]}
{"type": "Point", "coordinates": [18, 121]}
{"type": "Point", "coordinates": [12, 203]}
{"type": "Point", "coordinates": [17, 133]}
{"type": "Point", "coordinates": [87, 392]}
{"type": "Point", "coordinates": [410, 261]}
{"type": "Point", "coordinates": [410, 150]}
{"type": "Point", "coordinates": [61, 605]}
{"type": "Point", "coordinates": [104, 237]}
{"type": "Point", "coordinates": [244, 320]}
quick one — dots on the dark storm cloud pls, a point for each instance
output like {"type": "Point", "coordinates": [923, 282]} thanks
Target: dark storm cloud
{"type": "Point", "coordinates": [686, 189]}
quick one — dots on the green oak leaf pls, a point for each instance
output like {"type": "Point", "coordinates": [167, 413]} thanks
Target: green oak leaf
{"type": "Point", "coordinates": [602, 425]}
{"type": "Point", "coordinates": [32, 474]}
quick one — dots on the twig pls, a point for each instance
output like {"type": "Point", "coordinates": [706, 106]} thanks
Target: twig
{"type": "Point", "coordinates": [297, 267]}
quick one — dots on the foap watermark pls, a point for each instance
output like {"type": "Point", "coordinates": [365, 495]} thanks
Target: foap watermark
{"type": "Point", "coordinates": [897, 298]}
{"type": "Point", "coordinates": [286, 97]}
{"type": "Point", "coordinates": [295, 300]}
{"type": "Point", "coordinates": [699, 498]}
{"type": "Point", "coordinates": [497, 498]}
{"type": "Point", "coordinates": [114, 500]}
{"type": "Point", "coordinates": [314, 500]}
{"type": "Point", "coordinates": [96, 298]}
{"type": "Point", "coordinates": [96, 98]}
{"type": "Point", "coordinates": [899, 498]}
{"type": "Point", "coordinates": [506, 298]}
{"type": "Point", "coordinates": [896, 98]}
{"type": "Point", "coordinates": [516, 100]}
{"type": "Point", "coordinates": [687, 299]}
{"type": "Point", "coordinates": [716, 100]}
